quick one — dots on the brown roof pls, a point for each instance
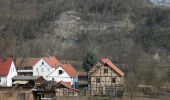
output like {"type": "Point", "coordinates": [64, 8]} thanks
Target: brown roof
{"type": "Point", "coordinates": [30, 62]}
{"type": "Point", "coordinates": [109, 63]}
{"type": "Point", "coordinates": [62, 84]}
{"type": "Point", "coordinates": [82, 73]}
{"type": "Point", "coordinates": [5, 65]}
{"type": "Point", "coordinates": [70, 70]}
{"type": "Point", "coordinates": [26, 62]}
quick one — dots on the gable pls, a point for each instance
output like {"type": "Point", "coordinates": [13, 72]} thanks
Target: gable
{"type": "Point", "coordinates": [110, 64]}
{"type": "Point", "coordinates": [100, 71]}
{"type": "Point", "coordinates": [52, 61]}
{"type": "Point", "coordinates": [105, 62]}
{"type": "Point", "coordinates": [40, 63]}
{"type": "Point", "coordinates": [56, 73]}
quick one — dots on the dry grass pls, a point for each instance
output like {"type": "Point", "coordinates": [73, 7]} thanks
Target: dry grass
{"type": "Point", "coordinates": [5, 97]}
{"type": "Point", "coordinates": [112, 98]}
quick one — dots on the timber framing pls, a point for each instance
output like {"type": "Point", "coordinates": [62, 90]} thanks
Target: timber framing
{"type": "Point", "coordinates": [104, 80]}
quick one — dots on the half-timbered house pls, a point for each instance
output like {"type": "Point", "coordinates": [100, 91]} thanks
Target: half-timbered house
{"type": "Point", "coordinates": [105, 78]}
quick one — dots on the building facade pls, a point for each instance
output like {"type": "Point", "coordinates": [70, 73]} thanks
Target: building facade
{"type": "Point", "coordinates": [7, 71]}
{"type": "Point", "coordinates": [65, 73]}
{"type": "Point", "coordinates": [105, 78]}
{"type": "Point", "coordinates": [24, 66]}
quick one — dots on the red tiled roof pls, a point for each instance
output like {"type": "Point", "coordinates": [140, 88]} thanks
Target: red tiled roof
{"type": "Point", "coordinates": [70, 70]}
{"type": "Point", "coordinates": [5, 65]}
{"type": "Point", "coordinates": [26, 62]}
{"type": "Point", "coordinates": [109, 63]}
{"type": "Point", "coordinates": [52, 61]}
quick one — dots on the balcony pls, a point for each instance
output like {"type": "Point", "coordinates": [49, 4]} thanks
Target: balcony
{"type": "Point", "coordinates": [25, 70]}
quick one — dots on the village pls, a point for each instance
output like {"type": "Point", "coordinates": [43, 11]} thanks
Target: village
{"type": "Point", "coordinates": [47, 78]}
{"type": "Point", "coordinates": [84, 50]}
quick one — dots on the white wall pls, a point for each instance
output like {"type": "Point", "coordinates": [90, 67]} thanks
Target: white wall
{"type": "Point", "coordinates": [62, 77]}
{"type": "Point", "coordinates": [40, 69]}
{"type": "Point", "coordinates": [7, 80]}
{"type": "Point", "coordinates": [11, 74]}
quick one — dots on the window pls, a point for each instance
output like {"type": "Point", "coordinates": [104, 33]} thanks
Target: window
{"type": "Point", "coordinates": [37, 69]}
{"type": "Point", "coordinates": [113, 80]}
{"type": "Point", "coordinates": [42, 69]}
{"type": "Point", "coordinates": [60, 72]}
{"type": "Point", "coordinates": [42, 63]}
{"type": "Point", "coordinates": [0, 79]}
{"type": "Point", "coordinates": [52, 79]}
{"type": "Point", "coordinates": [97, 80]}
{"type": "Point", "coordinates": [48, 69]}
{"type": "Point", "coordinates": [105, 70]}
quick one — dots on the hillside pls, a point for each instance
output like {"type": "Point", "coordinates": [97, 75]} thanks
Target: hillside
{"type": "Point", "coordinates": [68, 30]}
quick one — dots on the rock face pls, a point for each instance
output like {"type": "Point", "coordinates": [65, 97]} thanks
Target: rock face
{"type": "Point", "coordinates": [70, 26]}
{"type": "Point", "coordinates": [67, 24]}
{"type": "Point", "coordinates": [161, 2]}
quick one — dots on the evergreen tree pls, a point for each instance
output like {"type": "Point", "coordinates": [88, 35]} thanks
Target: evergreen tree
{"type": "Point", "coordinates": [89, 61]}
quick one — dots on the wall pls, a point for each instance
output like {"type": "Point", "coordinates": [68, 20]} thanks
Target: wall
{"type": "Point", "coordinates": [11, 74]}
{"type": "Point", "coordinates": [64, 76]}
{"type": "Point", "coordinates": [40, 69]}
{"type": "Point", "coordinates": [105, 80]}
{"type": "Point", "coordinates": [7, 80]}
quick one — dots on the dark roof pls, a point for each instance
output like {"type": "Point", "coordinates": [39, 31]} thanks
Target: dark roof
{"type": "Point", "coordinates": [26, 77]}
{"type": "Point", "coordinates": [26, 62]}
{"type": "Point", "coordinates": [82, 73]}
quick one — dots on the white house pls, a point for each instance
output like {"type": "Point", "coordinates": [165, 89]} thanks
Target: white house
{"type": "Point", "coordinates": [45, 66]}
{"type": "Point", "coordinates": [7, 71]}
{"type": "Point", "coordinates": [50, 68]}
{"type": "Point", "coordinates": [36, 66]}
{"type": "Point", "coordinates": [65, 73]}
{"type": "Point", "coordinates": [24, 66]}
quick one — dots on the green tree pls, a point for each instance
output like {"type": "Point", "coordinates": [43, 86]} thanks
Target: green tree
{"type": "Point", "coordinates": [89, 60]}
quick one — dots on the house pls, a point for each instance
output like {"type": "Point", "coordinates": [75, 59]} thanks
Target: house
{"type": "Point", "coordinates": [27, 81]}
{"type": "Point", "coordinates": [45, 66]}
{"type": "Point", "coordinates": [106, 78]}
{"type": "Point", "coordinates": [51, 89]}
{"type": "Point", "coordinates": [25, 66]}
{"type": "Point", "coordinates": [65, 73]}
{"type": "Point", "coordinates": [36, 66]}
{"type": "Point", "coordinates": [82, 83]}
{"type": "Point", "coordinates": [7, 71]}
